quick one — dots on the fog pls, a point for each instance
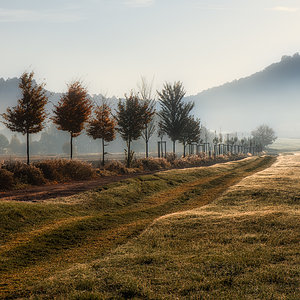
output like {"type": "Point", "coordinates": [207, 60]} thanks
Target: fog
{"type": "Point", "coordinates": [271, 97]}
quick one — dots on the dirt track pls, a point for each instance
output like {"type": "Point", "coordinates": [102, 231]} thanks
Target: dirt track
{"type": "Point", "coordinates": [62, 189]}
{"type": "Point", "coordinates": [50, 191]}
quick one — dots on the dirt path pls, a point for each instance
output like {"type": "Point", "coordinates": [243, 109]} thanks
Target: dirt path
{"type": "Point", "coordinates": [49, 191]}
{"type": "Point", "coordinates": [62, 189]}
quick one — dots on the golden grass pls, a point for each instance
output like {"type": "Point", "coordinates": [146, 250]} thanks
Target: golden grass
{"type": "Point", "coordinates": [81, 232]}
{"type": "Point", "coordinates": [244, 245]}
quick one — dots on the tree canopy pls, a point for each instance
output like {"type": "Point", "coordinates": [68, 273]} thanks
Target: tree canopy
{"type": "Point", "coordinates": [102, 126]}
{"type": "Point", "coordinates": [263, 136]}
{"type": "Point", "coordinates": [174, 111]}
{"type": "Point", "coordinates": [130, 116]}
{"type": "Point", "coordinates": [73, 111]}
{"type": "Point", "coordinates": [29, 115]}
{"type": "Point", "coordinates": [190, 133]}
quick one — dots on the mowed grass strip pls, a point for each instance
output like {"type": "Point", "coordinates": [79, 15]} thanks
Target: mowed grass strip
{"type": "Point", "coordinates": [42, 238]}
{"type": "Point", "coordinates": [243, 245]}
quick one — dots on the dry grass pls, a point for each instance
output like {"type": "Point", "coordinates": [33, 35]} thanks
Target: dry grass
{"type": "Point", "coordinates": [244, 245]}
{"type": "Point", "coordinates": [96, 237]}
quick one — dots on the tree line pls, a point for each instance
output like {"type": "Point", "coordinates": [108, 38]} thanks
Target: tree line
{"type": "Point", "coordinates": [133, 118]}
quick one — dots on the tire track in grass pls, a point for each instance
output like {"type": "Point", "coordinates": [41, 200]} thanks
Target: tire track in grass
{"type": "Point", "coordinates": [25, 237]}
{"type": "Point", "coordinates": [127, 222]}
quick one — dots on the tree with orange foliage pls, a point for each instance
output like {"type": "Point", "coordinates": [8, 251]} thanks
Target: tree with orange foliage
{"type": "Point", "coordinates": [102, 126]}
{"type": "Point", "coordinates": [73, 111]}
{"type": "Point", "coordinates": [29, 114]}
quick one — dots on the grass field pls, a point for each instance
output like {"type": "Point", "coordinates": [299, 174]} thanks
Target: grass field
{"type": "Point", "coordinates": [286, 144]}
{"type": "Point", "coordinates": [152, 237]}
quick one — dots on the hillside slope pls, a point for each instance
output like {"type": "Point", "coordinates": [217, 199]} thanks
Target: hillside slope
{"type": "Point", "coordinates": [271, 96]}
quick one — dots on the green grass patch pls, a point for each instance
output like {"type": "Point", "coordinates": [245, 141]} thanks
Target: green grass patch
{"type": "Point", "coordinates": [40, 240]}
{"type": "Point", "coordinates": [243, 245]}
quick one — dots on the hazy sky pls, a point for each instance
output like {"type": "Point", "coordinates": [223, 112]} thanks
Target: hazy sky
{"type": "Point", "coordinates": [109, 44]}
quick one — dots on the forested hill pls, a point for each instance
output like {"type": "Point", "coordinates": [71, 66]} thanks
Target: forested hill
{"type": "Point", "coordinates": [271, 96]}
{"type": "Point", "coordinates": [10, 93]}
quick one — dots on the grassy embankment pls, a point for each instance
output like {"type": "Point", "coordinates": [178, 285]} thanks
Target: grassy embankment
{"type": "Point", "coordinates": [194, 253]}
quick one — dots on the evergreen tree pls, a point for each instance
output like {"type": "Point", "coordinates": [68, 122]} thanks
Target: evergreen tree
{"type": "Point", "coordinates": [29, 115]}
{"type": "Point", "coordinates": [102, 126]}
{"type": "Point", "coordinates": [174, 111]}
{"type": "Point", "coordinates": [72, 111]}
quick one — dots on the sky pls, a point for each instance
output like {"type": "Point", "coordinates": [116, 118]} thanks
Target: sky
{"type": "Point", "coordinates": [110, 44]}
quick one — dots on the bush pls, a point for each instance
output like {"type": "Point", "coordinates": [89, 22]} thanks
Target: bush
{"type": "Point", "coordinates": [6, 179]}
{"type": "Point", "coordinates": [50, 169]}
{"type": "Point", "coordinates": [24, 173]}
{"type": "Point", "coordinates": [170, 157]}
{"type": "Point", "coordinates": [62, 169]}
{"type": "Point", "coordinates": [153, 164]}
{"type": "Point", "coordinates": [117, 167]}
{"type": "Point", "coordinates": [77, 170]}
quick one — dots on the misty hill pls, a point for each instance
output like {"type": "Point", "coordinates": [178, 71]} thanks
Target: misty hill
{"type": "Point", "coordinates": [10, 93]}
{"type": "Point", "coordinates": [271, 96]}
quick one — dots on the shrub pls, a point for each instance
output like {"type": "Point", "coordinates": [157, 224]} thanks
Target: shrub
{"type": "Point", "coordinates": [153, 164]}
{"type": "Point", "coordinates": [24, 173]}
{"type": "Point", "coordinates": [6, 179]}
{"type": "Point", "coordinates": [77, 170]}
{"type": "Point", "coordinates": [116, 166]}
{"type": "Point", "coordinates": [50, 169]}
{"type": "Point", "coordinates": [170, 157]}
{"type": "Point", "coordinates": [62, 169]}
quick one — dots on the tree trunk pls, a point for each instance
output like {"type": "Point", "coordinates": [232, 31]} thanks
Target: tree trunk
{"type": "Point", "coordinates": [146, 140]}
{"type": "Point", "coordinates": [27, 147]}
{"type": "Point", "coordinates": [183, 149]}
{"type": "Point", "coordinates": [147, 150]}
{"type": "Point", "coordinates": [103, 153]}
{"type": "Point", "coordinates": [128, 155]}
{"type": "Point", "coordinates": [71, 145]}
{"type": "Point", "coordinates": [174, 147]}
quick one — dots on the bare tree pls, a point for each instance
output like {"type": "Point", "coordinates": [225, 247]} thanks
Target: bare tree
{"type": "Point", "coordinates": [145, 90]}
{"type": "Point", "coordinates": [263, 136]}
